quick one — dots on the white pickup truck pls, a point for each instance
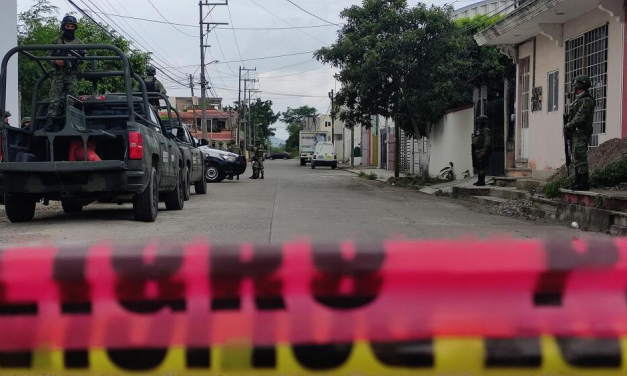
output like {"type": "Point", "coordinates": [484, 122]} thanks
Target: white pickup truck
{"type": "Point", "coordinates": [307, 145]}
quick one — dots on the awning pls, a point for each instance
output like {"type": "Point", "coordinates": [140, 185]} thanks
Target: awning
{"type": "Point", "coordinates": [543, 17]}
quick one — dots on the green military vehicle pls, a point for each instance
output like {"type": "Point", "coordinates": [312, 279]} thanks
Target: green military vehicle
{"type": "Point", "coordinates": [110, 147]}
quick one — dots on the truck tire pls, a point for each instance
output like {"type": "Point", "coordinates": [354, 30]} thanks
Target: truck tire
{"type": "Point", "coordinates": [213, 174]}
{"type": "Point", "coordinates": [146, 204]}
{"type": "Point", "coordinates": [188, 183]}
{"type": "Point", "coordinates": [19, 208]}
{"type": "Point", "coordinates": [201, 186]}
{"type": "Point", "coordinates": [303, 162]}
{"type": "Point", "coordinates": [334, 166]}
{"type": "Point", "coordinates": [70, 207]}
{"type": "Point", "coordinates": [175, 200]}
{"type": "Point", "coordinates": [313, 166]}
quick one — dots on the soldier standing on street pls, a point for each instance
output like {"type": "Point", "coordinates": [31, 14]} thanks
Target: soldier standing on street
{"type": "Point", "coordinates": [579, 130]}
{"type": "Point", "coordinates": [260, 154]}
{"type": "Point", "coordinates": [65, 75]}
{"type": "Point", "coordinates": [253, 158]}
{"type": "Point", "coordinates": [481, 149]}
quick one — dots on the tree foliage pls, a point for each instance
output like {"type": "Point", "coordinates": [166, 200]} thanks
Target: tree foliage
{"type": "Point", "coordinates": [41, 25]}
{"type": "Point", "coordinates": [294, 118]}
{"type": "Point", "coordinates": [261, 114]}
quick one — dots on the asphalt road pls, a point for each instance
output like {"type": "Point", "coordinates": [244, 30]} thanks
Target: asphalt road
{"type": "Point", "coordinates": [292, 203]}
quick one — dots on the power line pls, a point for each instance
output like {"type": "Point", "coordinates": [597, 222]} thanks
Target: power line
{"type": "Point", "coordinates": [228, 8]}
{"type": "Point", "coordinates": [166, 20]}
{"type": "Point", "coordinates": [282, 19]}
{"type": "Point", "coordinates": [311, 14]}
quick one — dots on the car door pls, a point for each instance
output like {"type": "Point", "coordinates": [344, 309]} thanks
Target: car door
{"type": "Point", "coordinates": [197, 160]}
{"type": "Point", "coordinates": [167, 158]}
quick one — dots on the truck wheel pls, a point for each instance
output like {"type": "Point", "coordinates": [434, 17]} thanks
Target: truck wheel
{"type": "Point", "coordinates": [19, 208]}
{"type": "Point", "coordinates": [303, 162]}
{"type": "Point", "coordinates": [70, 207]}
{"type": "Point", "coordinates": [146, 204]}
{"type": "Point", "coordinates": [334, 166]}
{"type": "Point", "coordinates": [201, 186]}
{"type": "Point", "coordinates": [313, 166]}
{"type": "Point", "coordinates": [175, 200]}
{"type": "Point", "coordinates": [188, 183]}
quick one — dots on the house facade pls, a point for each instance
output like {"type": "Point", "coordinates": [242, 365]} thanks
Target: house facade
{"type": "Point", "coordinates": [553, 41]}
{"type": "Point", "coordinates": [485, 7]}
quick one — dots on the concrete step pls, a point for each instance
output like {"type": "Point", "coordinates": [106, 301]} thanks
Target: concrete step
{"type": "Point", "coordinates": [544, 204]}
{"type": "Point", "coordinates": [487, 200]}
{"type": "Point", "coordinates": [504, 181]}
{"type": "Point", "coordinates": [540, 213]}
{"type": "Point", "coordinates": [509, 193]}
{"type": "Point", "coordinates": [504, 193]}
{"type": "Point", "coordinates": [591, 218]}
{"type": "Point", "coordinates": [528, 184]}
{"type": "Point", "coordinates": [618, 230]}
{"type": "Point", "coordinates": [608, 200]}
{"type": "Point", "coordinates": [521, 163]}
{"type": "Point", "coordinates": [518, 172]}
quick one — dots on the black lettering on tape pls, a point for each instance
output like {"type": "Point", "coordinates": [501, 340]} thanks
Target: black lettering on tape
{"type": "Point", "coordinates": [228, 271]}
{"type": "Point", "coordinates": [13, 308]}
{"type": "Point", "coordinates": [69, 272]}
{"type": "Point", "coordinates": [513, 353]}
{"type": "Point", "coordinates": [16, 359]}
{"type": "Point", "coordinates": [76, 359]}
{"type": "Point", "coordinates": [199, 358]}
{"type": "Point", "coordinates": [362, 270]}
{"type": "Point", "coordinates": [562, 260]}
{"type": "Point", "coordinates": [134, 273]}
{"type": "Point", "coordinates": [264, 357]}
{"type": "Point", "coordinates": [137, 359]}
{"type": "Point", "coordinates": [411, 354]}
{"type": "Point", "coordinates": [591, 352]}
{"type": "Point", "coordinates": [322, 357]}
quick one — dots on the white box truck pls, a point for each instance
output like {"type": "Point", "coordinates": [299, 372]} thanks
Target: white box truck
{"type": "Point", "coordinates": [307, 145]}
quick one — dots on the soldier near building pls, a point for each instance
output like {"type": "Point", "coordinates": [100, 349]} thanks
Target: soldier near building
{"type": "Point", "coordinates": [578, 130]}
{"type": "Point", "coordinates": [65, 74]}
{"type": "Point", "coordinates": [481, 149]}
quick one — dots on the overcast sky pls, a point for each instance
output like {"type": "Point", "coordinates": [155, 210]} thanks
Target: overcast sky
{"type": "Point", "coordinates": [290, 81]}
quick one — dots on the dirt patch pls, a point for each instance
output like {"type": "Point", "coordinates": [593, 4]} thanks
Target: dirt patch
{"type": "Point", "coordinates": [609, 152]}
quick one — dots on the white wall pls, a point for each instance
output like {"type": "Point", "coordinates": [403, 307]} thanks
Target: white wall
{"type": "Point", "coordinates": [451, 142]}
{"type": "Point", "coordinates": [8, 31]}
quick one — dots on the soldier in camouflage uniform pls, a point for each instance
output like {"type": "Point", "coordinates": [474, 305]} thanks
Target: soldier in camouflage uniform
{"type": "Point", "coordinates": [257, 155]}
{"type": "Point", "coordinates": [481, 149]}
{"type": "Point", "coordinates": [253, 159]}
{"type": "Point", "coordinates": [579, 130]}
{"type": "Point", "coordinates": [152, 85]}
{"type": "Point", "coordinates": [65, 75]}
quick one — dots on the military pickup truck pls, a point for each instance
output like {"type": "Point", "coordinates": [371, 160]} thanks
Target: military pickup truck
{"type": "Point", "coordinates": [193, 166]}
{"type": "Point", "coordinates": [104, 148]}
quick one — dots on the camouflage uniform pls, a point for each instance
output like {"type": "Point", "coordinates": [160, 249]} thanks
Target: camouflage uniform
{"type": "Point", "coordinates": [579, 131]}
{"type": "Point", "coordinates": [481, 149]}
{"type": "Point", "coordinates": [64, 80]}
{"type": "Point", "coordinates": [257, 159]}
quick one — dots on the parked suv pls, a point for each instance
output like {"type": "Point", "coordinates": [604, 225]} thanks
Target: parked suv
{"type": "Point", "coordinates": [220, 164]}
{"type": "Point", "coordinates": [280, 155]}
{"type": "Point", "coordinates": [108, 148]}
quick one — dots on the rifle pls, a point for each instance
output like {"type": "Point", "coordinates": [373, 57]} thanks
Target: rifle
{"type": "Point", "coordinates": [567, 149]}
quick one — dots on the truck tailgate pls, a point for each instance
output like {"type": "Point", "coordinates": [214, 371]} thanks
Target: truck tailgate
{"type": "Point", "coordinates": [28, 167]}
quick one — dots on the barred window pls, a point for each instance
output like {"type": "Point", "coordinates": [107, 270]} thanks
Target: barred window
{"type": "Point", "coordinates": [587, 54]}
{"type": "Point", "coordinates": [554, 91]}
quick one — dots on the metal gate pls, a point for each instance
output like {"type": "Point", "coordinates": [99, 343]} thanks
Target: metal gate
{"type": "Point", "coordinates": [406, 153]}
{"type": "Point", "coordinates": [384, 149]}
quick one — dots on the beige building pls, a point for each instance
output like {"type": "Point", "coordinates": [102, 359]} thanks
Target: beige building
{"type": "Point", "coordinates": [553, 41]}
{"type": "Point", "coordinates": [485, 7]}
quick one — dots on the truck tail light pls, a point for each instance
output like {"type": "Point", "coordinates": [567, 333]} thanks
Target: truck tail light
{"type": "Point", "coordinates": [135, 145]}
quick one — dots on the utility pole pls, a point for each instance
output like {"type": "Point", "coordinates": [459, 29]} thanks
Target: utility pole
{"type": "Point", "coordinates": [191, 85]}
{"type": "Point", "coordinates": [242, 108]}
{"type": "Point", "coordinates": [203, 78]}
{"type": "Point", "coordinates": [332, 97]}
{"type": "Point", "coordinates": [253, 136]}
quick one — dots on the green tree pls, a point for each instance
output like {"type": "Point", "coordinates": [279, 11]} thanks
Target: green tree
{"type": "Point", "coordinates": [405, 63]}
{"type": "Point", "coordinates": [294, 118]}
{"type": "Point", "coordinates": [261, 114]}
{"type": "Point", "coordinates": [41, 25]}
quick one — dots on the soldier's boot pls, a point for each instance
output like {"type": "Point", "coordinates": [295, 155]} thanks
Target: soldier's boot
{"type": "Point", "coordinates": [481, 181]}
{"type": "Point", "coordinates": [261, 175]}
{"type": "Point", "coordinates": [49, 125]}
{"type": "Point", "coordinates": [255, 175]}
{"type": "Point", "coordinates": [581, 183]}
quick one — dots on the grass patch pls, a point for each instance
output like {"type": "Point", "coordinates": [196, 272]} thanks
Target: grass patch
{"type": "Point", "coordinates": [609, 176]}
{"type": "Point", "coordinates": [369, 176]}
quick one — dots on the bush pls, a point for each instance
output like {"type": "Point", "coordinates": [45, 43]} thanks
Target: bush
{"type": "Point", "coordinates": [552, 189]}
{"type": "Point", "coordinates": [610, 175]}
{"type": "Point", "coordinates": [371, 176]}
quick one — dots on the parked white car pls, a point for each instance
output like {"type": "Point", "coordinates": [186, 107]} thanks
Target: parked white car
{"type": "Point", "coordinates": [324, 155]}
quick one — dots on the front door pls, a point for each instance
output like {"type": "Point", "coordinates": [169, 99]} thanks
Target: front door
{"type": "Point", "coordinates": [384, 149]}
{"type": "Point", "coordinates": [525, 101]}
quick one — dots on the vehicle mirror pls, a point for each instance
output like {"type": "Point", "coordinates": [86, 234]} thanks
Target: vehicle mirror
{"type": "Point", "coordinates": [174, 131]}
{"type": "Point", "coordinates": [204, 142]}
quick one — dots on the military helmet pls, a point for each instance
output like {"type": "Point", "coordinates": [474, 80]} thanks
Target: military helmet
{"type": "Point", "coordinates": [582, 82]}
{"type": "Point", "coordinates": [68, 20]}
{"type": "Point", "coordinates": [151, 71]}
{"type": "Point", "coordinates": [482, 120]}
{"type": "Point", "coordinates": [24, 120]}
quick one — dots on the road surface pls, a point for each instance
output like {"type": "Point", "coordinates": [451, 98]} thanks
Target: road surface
{"type": "Point", "coordinates": [292, 203]}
